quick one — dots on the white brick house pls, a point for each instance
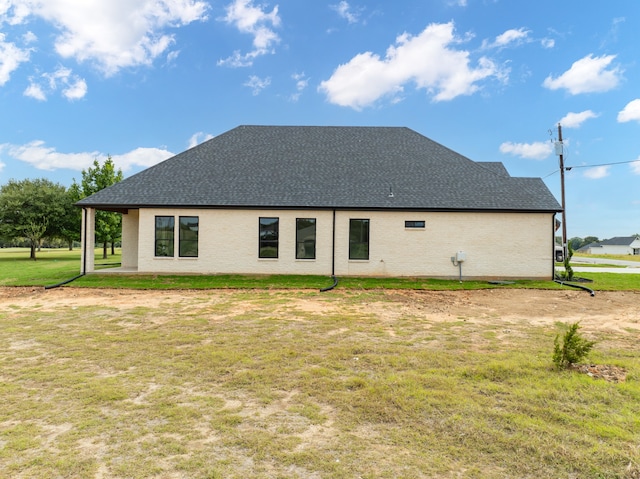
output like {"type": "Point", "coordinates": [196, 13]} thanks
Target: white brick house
{"type": "Point", "coordinates": [344, 201]}
{"type": "Point", "coordinates": [619, 245]}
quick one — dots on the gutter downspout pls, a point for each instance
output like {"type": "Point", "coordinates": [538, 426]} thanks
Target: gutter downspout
{"type": "Point", "coordinates": [553, 245]}
{"type": "Point", "coordinates": [333, 258]}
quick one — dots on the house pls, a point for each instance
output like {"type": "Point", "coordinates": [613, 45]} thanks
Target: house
{"type": "Point", "coordinates": [361, 201]}
{"type": "Point", "coordinates": [619, 245]}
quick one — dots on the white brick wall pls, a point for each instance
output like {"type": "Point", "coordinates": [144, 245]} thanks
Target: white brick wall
{"type": "Point", "coordinates": [130, 238]}
{"type": "Point", "coordinates": [497, 245]}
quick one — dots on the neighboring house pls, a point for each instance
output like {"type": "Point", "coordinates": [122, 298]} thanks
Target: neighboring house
{"type": "Point", "coordinates": [361, 201]}
{"type": "Point", "coordinates": [618, 245]}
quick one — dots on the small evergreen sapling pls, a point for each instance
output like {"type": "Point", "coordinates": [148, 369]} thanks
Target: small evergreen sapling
{"type": "Point", "coordinates": [574, 348]}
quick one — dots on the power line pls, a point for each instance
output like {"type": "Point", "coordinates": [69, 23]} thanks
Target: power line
{"type": "Point", "coordinates": [569, 168]}
{"type": "Point", "coordinates": [601, 164]}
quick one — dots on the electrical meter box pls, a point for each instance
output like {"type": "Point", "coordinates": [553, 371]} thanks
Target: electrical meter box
{"type": "Point", "coordinates": [461, 256]}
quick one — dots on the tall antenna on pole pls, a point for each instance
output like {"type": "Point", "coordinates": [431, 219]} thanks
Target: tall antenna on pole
{"type": "Point", "coordinates": [560, 153]}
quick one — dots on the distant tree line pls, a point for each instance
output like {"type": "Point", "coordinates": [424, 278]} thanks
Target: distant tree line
{"type": "Point", "coordinates": [39, 212]}
{"type": "Point", "coordinates": [577, 242]}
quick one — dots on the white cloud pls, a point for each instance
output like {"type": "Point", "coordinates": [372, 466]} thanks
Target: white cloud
{"type": "Point", "coordinates": [631, 112]}
{"type": "Point", "coordinates": [575, 120]}
{"type": "Point", "coordinates": [37, 154]}
{"type": "Point", "coordinates": [635, 167]}
{"type": "Point", "coordinates": [2, 165]}
{"type": "Point", "coordinates": [43, 157]}
{"type": "Point", "coordinates": [548, 43]}
{"type": "Point", "coordinates": [302, 81]}
{"type": "Point", "coordinates": [112, 34]}
{"type": "Point", "coordinates": [343, 9]}
{"type": "Point", "coordinates": [172, 56]}
{"type": "Point", "coordinates": [597, 172]}
{"type": "Point", "coordinates": [75, 90]}
{"type": "Point", "coordinates": [140, 157]}
{"type": "Point", "coordinates": [532, 151]}
{"type": "Point", "coordinates": [10, 59]}
{"type": "Point", "coordinates": [250, 19]}
{"type": "Point", "coordinates": [427, 59]}
{"type": "Point", "coordinates": [198, 138]}
{"type": "Point", "coordinates": [72, 86]}
{"type": "Point", "coordinates": [509, 37]}
{"type": "Point", "coordinates": [587, 75]}
{"type": "Point", "coordinates": [29, 38]}
{"type": "Point", "coordinates": [13, 12]}
{"type": "Point", "coordinates": [257, 84]}
{"type": "Point", "coordinates": [35, 91]}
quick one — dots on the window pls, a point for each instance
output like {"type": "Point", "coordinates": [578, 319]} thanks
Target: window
{"type": "Point", "coordinates": [268, 247]}
{"type": "Point", "coordinates": [188, 236]}
{"type": "Point", "coordinates": [305, 238]}
{"type": "Point", "coordinates": [164, 235]}
{"type": "Point", "coordinates": [358, 239]}
{"type": "Point", "coordinates": [414, 224]}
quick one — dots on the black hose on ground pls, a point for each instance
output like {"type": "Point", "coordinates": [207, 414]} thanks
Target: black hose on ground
{"type": "Point", "coordinates": [64, 282]}
{"type": "Point", "coordinates": [329, 288]}
{"type": "Point", "coordinates": [579, 286]}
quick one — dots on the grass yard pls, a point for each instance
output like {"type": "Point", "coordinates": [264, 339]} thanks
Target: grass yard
{"type": "Point", "coordinates": [624, 257]}
{"type": "Point", "coordinates": [300, 384]}
{"type": "Point", "coordinates": [55, 266]}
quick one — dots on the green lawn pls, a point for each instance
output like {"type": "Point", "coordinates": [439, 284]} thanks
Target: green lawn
{"type": "Point", "coordinates": [55, 266]}
{"type": "Point", "coordinates": [624, 257]}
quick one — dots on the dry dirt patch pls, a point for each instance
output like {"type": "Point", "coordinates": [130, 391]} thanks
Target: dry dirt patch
{"type": "Point", "coordinates": [607, 311]}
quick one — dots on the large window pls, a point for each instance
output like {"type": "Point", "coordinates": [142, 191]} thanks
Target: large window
{"type": "Point", "coordinates": [188, 236]}
{"type": "Point", "coordinates": [164, 235]}
{"type": "Point", "coordinates": [358, 239]}
{"type": "Point", "coordinates": [305, 238]}
{"type": "Point", "coordinates": [268, 247]}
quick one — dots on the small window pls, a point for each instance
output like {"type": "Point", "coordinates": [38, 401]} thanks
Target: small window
{"type": "Point", "coordinates": [359, 239]}
{"type": "Point", "coordinates": [268, 247]}
{"type": "Point", "coordinates": [414, 224]}
{"type": "Point", "coordinates": [305, 238]}
{"type": "Point", "coordinates": [164, 235]}
{"type": "Point", "coordinates": [189, 236]}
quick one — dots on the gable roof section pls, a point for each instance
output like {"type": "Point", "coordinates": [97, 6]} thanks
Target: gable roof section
{"type": "Point", "coordinates": [495, 166]}
{"type": "Point", "coordinates": [325, 167]}
{"type": "Point", "coordinates": [616, 241]}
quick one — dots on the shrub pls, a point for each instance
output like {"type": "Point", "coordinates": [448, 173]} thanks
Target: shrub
{"type": "Point", "coordinates": [574, 347]}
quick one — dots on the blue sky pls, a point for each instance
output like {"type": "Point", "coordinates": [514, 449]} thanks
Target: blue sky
{"type": "Point", "coordinates": [142, 80]}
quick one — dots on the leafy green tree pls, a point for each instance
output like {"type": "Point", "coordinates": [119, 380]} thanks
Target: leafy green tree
{"type": "Point", "coordinates": [576, 242]}
{"type": "Point", "coordinates": [94, 179]}
{"type": "Point", "coordinates": [32, 209]}
{"type": "Point", "coordinates": [70, 223]}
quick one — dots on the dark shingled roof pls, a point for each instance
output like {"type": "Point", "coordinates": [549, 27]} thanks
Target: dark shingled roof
{"type": "Point", "coordinates": [616, 241]}
{"type": "Point", "coordinates": [325, 167]}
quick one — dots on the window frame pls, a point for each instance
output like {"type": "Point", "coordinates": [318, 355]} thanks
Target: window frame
{"type": "Point", "coordinates": [170, 239]}
{"type": "Point", "coordinates": [303, 245]}
{"type": "Point", "coordinates": [263, 244]}
{"type": "Point", "coordinates": [362, 241]}
{"type": "Point", "coordinates": [183, 241]}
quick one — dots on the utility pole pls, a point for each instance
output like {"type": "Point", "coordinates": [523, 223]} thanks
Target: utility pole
{"type": "Point", "coordinates": [560, 151]}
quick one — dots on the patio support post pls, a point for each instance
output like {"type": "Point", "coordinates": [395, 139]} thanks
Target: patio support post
{"type": "Point", "coordinates": [88, 235]}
